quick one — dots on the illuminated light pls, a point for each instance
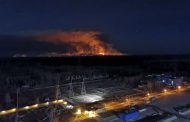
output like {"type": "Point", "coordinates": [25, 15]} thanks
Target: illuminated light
{"type": "Point", "coordinates": [36, 105]}
{"type": "Point", "coordinates": [78, 111]}
{"type": "Point", "coordinates": [47, 103]}
{"type": "Point", "coordinates": [86, 112]}
{"type": "Point", "coordinates": [60, 101]}
{"type": "Point", "coordinates": [26, 107]}
{"type": "Point", "coordinates": [92, 114]}
{"type": "Point", "coordinates": [13, 110]}
{"type": "Point", "coordinates": [165, 90]}
{"type": "Point", "coordinates": [101, 53]}
{"type": "Point", "coordinates": [65, 103]}
{"type": "Point", "coordinates": [179, 87]}
{"type": "Point", "coordinates": [3, 112]}
{"type": "Point", "coordinates": [148, 94]}
{"type": "Point", "coordinates": [69, 107]}
{"type": "Point", "coordinates": [55, 101]}
{"type": "Point", "coordinates": [89, 98]}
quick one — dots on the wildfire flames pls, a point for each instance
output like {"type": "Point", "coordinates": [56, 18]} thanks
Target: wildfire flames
{"type": "Point", "coordinates": [80, 43]}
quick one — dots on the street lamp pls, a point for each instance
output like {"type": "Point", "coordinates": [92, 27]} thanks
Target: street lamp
{"type": "Point", "coordinates": [65, 103]}
{"type": "Point", "coordinates": [165, 90]}
{"type": "Point", "coordinates": [78, 111]}
{"type": "Point", "coordinates": [26, 107]}
{"type": "Point", "coordinates": [179, 87]}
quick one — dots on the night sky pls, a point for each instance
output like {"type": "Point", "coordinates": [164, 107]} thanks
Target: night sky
{"type": "Point", "coordinates": [135, 26]}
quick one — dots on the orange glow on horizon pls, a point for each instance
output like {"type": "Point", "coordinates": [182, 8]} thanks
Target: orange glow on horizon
{"type": "Point", "coordinates": [79, 43]}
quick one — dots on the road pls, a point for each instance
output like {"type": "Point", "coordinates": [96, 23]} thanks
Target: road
{"type": "Point", "coordinates": [134, 100]}
{"type": "Point", "coordinates": [35, 106]}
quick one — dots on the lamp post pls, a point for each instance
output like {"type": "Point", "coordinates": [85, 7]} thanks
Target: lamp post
{"type": "Point", "coordinates": [17, 93]}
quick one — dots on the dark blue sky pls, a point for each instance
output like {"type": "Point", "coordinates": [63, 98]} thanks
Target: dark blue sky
{"type": "Point", "coordinates": [135, 26]}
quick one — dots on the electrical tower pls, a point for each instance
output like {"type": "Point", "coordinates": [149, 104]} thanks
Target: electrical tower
{"type": "Point", "coordinates": [71, 92]}
{"type": "Point", "coordinates": [83, 89]}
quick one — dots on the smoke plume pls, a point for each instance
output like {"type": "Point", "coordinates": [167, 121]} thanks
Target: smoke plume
{"type": "Point", "coordinates": [78, 43]}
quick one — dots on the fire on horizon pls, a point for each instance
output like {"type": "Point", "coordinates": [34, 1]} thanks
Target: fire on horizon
{"type": "Point", "coordinates": [80, 43]}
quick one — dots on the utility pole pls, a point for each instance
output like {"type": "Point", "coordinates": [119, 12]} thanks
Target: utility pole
{"type": "Point", "coordinates": [58, 96]}
{"type": "Point", "coordinates": [58, 92]}
{"type": "Point", "coordinates": [71, 93]}
{"type": "Point", "coordinates": [83, 89]}
{"type": "Point", "coordinates": [17, 93]}
{"type": "Point", "coordinates": [7, 99]}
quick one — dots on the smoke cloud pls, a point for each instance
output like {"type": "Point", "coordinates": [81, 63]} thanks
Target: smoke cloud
{"type": "Point", "coordinates": [53, 44]}
{"type": "Point", "coordinates": [78, 43]}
